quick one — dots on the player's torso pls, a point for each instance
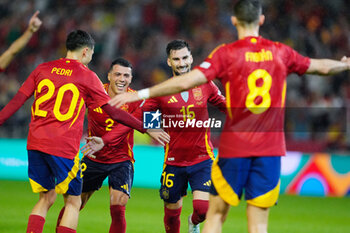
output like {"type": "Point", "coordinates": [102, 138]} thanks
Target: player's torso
{"type": "Point", "coordinates": [255, 85]}
{"type": "Point", "coordinates": [189, 144]}
{"type": "Point", "coordinates": [99, 124]}
{"type": "Point", "coordinates": [59, 106]}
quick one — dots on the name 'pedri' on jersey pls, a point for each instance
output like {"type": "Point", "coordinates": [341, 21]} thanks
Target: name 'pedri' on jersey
{"type": "Point", "coordinates": [100, 124]}
{"type": "Point", "coordinates": [253, 71]}
{"type": "Point", "coordinates": [61, 90]}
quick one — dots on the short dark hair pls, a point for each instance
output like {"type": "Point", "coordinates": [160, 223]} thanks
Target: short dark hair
{"type": "Point", "coordinates": [247, 11]}
{"type": "Point", "coordinates": [78, 39]}
{"type": "Point", "coordinates": [120, 61]}
{"type": "Point", "coordinates": [176, 45]}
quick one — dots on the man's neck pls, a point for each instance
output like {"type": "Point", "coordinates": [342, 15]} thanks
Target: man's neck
{"type": "Point", "coordinates": [73, 56]}
{"type": "Point", "coordinates": [247, 31]}
{"type": "Point", "coordinates": [111, 93]}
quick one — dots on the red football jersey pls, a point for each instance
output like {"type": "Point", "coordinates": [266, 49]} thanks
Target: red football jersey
{"type": "Point", "coordinates": [61, 90]}
{"type": "Point", "coordinates": [253, 71]}
{"type": "Point", "coordinates": [191, 145]}
{"type": "Point", "coordinates": [100, 123]}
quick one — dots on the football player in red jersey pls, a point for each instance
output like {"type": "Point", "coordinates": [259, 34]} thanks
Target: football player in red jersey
{"type": "Point", "coordinates": [62, 88]}
{"type": "Point", "coordinates": [33, 26]}
{"type": "Point", "coordinates": [116, 159]}
{"type": "Point", "coordinates": [253, 71]}
{"type": "Point", "coordinates": [189, 154]}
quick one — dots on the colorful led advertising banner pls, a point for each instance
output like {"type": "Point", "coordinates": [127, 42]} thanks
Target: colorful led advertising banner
{"type": "Point", "coordinates": [318, 174]}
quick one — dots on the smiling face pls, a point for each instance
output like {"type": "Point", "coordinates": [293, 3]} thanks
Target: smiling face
{"type": "Point", "coordinates": [180, 61]}
{"type": "Point", "coordinates": [119, 78]}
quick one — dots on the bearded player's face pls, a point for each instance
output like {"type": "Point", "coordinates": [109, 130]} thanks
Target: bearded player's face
{"type": "Point", "coordinates": [180, 61]}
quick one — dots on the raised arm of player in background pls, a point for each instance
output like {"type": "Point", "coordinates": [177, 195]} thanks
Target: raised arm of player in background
{"type": "Point", "coordinates": [196, 78]}
{"type": "Point", "coordinates": [33, 26]}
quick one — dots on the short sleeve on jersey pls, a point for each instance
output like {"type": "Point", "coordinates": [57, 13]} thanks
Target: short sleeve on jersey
{"type": "Point", "coordinates": [295, 62]}
{"type": "Point", "coordinates": [97, 93]}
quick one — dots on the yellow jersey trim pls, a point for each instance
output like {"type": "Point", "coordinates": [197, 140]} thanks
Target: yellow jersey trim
{"type": "Point", "coordinates": [284, 93]}
{"type": "Point", "coordinates": [228, 100]}
{"type": "Point", "coordinates": [207, 146]}
{"type": "Point", "coordinates": [212, 53]}
{"type": "Point", "coordinates": [82, 102]}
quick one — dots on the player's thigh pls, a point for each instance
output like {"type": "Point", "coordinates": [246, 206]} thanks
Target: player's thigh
{"type": "Point", "coordinates": [40, 175]}
{"type": "Point", "coordinates": [173, 183]}
{"type": "Point", "coordinates": [121, 176]}
{"type": "Point", "coordinates": [199, 176]}
{"type": "Point", "coordinates": [68, 174]}
{"type": "Point", "coordinates": [263, 184]}
{"type": "Point", "coordinates": [229, 176]}
{"type": "Point", "coordinates": [93, 174]}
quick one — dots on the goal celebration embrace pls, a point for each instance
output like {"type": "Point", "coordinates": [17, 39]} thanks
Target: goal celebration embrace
{"type": "Point", "coordinates": [192, 98]}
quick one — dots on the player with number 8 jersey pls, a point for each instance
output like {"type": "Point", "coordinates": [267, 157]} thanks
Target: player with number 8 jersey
{"type": "Point", "coordinates": [255, 115]}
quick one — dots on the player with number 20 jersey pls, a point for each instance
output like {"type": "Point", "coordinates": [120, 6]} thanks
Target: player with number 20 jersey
{"type": "Point", "coordinates": [64, 86]}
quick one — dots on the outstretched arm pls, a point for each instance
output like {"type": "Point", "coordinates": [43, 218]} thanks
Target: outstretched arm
{"type": "Point", "coordinates": [328, 66]}
{"type": "Point", "coordinates": [17, 101]}
{"type": "Point", "coordinates": [21, 42]}
{"type": "Point", "coordinates": [168, 87]}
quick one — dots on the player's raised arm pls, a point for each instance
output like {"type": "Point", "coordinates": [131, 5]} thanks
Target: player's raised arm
{"type": "Point", "coordinates": [168, 87]}
{"type": "Point", "coordinates": [33, 26]}
{"type": "Point", "coordinates": [328, 66]}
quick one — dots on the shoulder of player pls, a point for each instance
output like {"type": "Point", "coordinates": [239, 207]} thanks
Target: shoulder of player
{"type": "Point", "coordinates": [206, 86]}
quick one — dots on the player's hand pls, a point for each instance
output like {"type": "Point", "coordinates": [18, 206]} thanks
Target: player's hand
{"type": "Point", "coordinates": [34, 22]}
{"type": "Point", "coordinates": [92, 146]}
{"type": "Point", "coordinates": [123, 98]}
{"type": "Point", "coordinates": [159, 135]}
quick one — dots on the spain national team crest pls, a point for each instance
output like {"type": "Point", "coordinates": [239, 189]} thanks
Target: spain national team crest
{"type": "Point", "coordinates": [197, 93]}
{"type": "Point", "coordinates": [125, 107]}
{"type": "Point", "coordinates": [165, 193]}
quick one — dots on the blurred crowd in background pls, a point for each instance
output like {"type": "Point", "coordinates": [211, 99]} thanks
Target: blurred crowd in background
{"type": "Point", "coordinates": [139, 30]}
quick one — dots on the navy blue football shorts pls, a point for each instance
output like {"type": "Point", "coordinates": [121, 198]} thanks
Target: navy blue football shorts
{"type": "Point", "coordinates": [258, 177]}
{"type": "Point", "coordinates": [174, 180]}
{"type": "Point", "coordinates": [120, 175]}
{"type": "Point", "coordinates": [48, 172]}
